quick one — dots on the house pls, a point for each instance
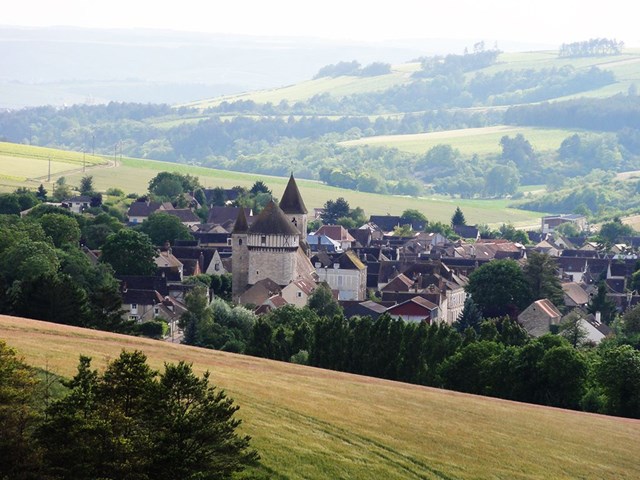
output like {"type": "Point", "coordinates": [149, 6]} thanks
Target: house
{"type": "Point", "coordinates": [367, 308]}
{"type": "Point", "coordinates": [467, 231]}
{"type": "Point", "coordinates": [259, 292]}
{"type": "Point", "coordinates": [140, 210]}
{"type": "Point", "coordinates": [574, 295]}
{"type": "Point", "coordinates": [169, 265]}
{"type": "Point", "coordinates": [298, 292]}
{"type": "Point", "coordinates": [538, 317]}
{"type": "Point", "coordinates": [415, 309]}
{"type": "Point", "coordinates": [185, 215]}
{"type": "Point", "coordinates": [78, 204]}
{"type": "Point", "coordinates": [339, 234]}
{"type": "Point", "coordinates": [345, 273]}
{"type": "Point", "coordinates": [226, 216]}
{"type": "Point", "coordinates": [319, 243]}
{"type": "Point", "coordinates": [388, 223]}
{"type": "Point", "coordinates": [551, 222]}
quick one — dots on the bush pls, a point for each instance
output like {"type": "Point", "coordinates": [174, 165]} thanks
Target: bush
{"type": "Point", "coordinates": [154, 328]}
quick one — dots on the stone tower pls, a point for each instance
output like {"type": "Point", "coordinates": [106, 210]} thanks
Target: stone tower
{"type": "Point", "coordinates": [293, 206]}
{"type": "Point", "coordinates": [240, 256]}
{"type": "Point", "coordinates": [272, 242]}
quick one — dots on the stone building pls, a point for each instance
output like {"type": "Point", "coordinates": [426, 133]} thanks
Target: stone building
{"type": "Point", "coordinates": [272, 247]}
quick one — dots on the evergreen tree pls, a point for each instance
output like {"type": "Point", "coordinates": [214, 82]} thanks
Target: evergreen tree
{"type": "Point", "coordinates": [541, 272]}
{"type": "Point", "coordinates": [458, 218]}
{"type": "Point", "coordinates": [600, 303]}
{"type": "Point", "coordinates": [41, 193]}
{"type": "Point", "coordinates": [471, 317]}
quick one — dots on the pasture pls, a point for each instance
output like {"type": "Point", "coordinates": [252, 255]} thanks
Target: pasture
{"type": "Point", "coordinates": [481, 141]}
{"type": "Point", "coordinates": [309, 423]}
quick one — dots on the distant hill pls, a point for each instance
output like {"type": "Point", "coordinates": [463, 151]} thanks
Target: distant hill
{"type": "Point", "coordinates": [315, 424]}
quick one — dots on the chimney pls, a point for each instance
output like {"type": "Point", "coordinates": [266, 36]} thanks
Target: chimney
{"type": "Point", "coordinates": [598, 318]}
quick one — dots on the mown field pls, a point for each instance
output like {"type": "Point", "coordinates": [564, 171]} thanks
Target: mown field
{"type": "Point", "coordinates": [28, 163]}
{"type": "Point", "coordinates": [309, 423]}
{"type": "Point", "coordinates": [483, 141]}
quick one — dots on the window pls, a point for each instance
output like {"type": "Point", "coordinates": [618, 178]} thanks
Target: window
{"type": "Point", "coordinates": [299, 294]}
{"type": "Point", "coordinates": [134, 308]}
{"type": "Point", "coordinates": [263, 239]}
{"type": "Point", "coordinates": [216, 267]}
{"type": "Point", "coordinates": [133, 318]}
{"type": "Point", "coordinates": [229, 242]}
{"type": "Point", "coordinates": [156, 311]}
{"type": "Point", "coordinates": [239, 241]}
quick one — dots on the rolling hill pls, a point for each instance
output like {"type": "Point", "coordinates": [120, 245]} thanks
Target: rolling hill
{"type": "Point", "coordinates": [311, 423]}
{"type": "Point", "coordinates": [17, 162]}
{"type": "Point", "coordinates": [625, 67]}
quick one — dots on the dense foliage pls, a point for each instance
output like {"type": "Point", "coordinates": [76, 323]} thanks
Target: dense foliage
{"type": "Point", "coordinates": [127, 422]}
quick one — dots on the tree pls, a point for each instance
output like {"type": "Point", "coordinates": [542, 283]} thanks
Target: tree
{"type": "Point", "coordinates": [172, 184]}
{"type": "Point", "coordinates": [611, 232]}
{"type": "Point", "coordinates": [41, 193]}
{"type": "Point", "coordinates": [129, 253]}
{"type": "Point", "coordinates": [600, 303]}
{"type": "Point", "coordinates": [572, 330]}
{"type": "Point", "coordinates": [162, 227]}
{"type": "Point", "coordinates": [414, 218]}
{"type": "Point", "coordinates": [619, 374]}
{"type": "Point", "coordinates": [458, 218]}
{"type": "Point", "coordinates": [259, 187]}
{"type": "Point", "coordinates": [86, 185]}
{"type": "Point", "coordinates": [128, 423]}
{"type": "Point", "coordinates": [471, 317]}
{"type": "Point", "coordinates": [544, 282]}
{"type": "Point", "coordinates": [323, 303]}
{"type": "Point", "coordinates": [499, 288]}
{"type": "Point", "coordinates": [333, 210]}
{"type": "Point", "coordinates": [18, 416]}
{"type": "Point", "coordinates": [631, 321]}
{"type": "Point", "coordinates": [502, 180]}
{"type": "Point", "coordinates": [62, 229]}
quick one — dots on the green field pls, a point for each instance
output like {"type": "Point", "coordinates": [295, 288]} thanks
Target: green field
{"type": "Point", "coordinates": [625, 66]}
{"type": "Point", "coordinates": [27, 163]}
{"type": "Point", "coordinates": [483, 141]}
{"type": "Point", "coordinates": [133, 175]}
{"type": "Point", "coordinates": [309, 423]}
{"type": "Point", "coordinates": [339, 87]}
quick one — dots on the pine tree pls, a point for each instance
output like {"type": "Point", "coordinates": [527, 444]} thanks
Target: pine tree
{"type": "Point", "coordinates": [458, 218]}
{"type": "Point", "coordinates": [471, 317]}
{"type": "Point", "coordinates": [41, 194]}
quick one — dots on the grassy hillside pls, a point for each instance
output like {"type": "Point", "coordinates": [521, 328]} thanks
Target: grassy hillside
{"type": "Point", "coordinates": [22, 163]}
{"type": "Point", "coordinates": [482, 141]}
{"type": "Point", "coordinates": [311, 423]}
{"type": "Point", "coordinates": [133, 175]}
{"type": "Point", "coordinates": [625, 66]}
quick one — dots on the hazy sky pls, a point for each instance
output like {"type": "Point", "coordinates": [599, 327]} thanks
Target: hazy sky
{"type": "Point", "coordinates": [539, 21]}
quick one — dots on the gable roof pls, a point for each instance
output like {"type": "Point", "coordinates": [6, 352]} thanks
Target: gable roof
{"type": "Point", "coordinates": [466, 231]}
{"type": "Point", "coordinates": [225, 215]}
{"type": "Point", "coordinates": [335, 232]}
{"type": "Point", "coordinates": [273, 221]}
{"type": "Point", "coordinates": [575, 293]}
{"type": "Point", "coordinates": [142, 209]}
{"type": "Point", "coordinates": [241, 225]}
{"type": "Point", "coordinates": [183, 214]}
{"type": "Point", "coordinates": [400, 283]}
{"type": "Point", "coordinates": [291, 201]}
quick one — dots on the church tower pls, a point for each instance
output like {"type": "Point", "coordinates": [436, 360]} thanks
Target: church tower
{"type": "Point", "coordinates": [294, 208]}
{"type": "Point", "coordinates": [239, 256]}
{"type": "Point", "coordinates": [272, 241]}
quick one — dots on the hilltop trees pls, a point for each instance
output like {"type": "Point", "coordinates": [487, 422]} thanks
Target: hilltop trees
{"type": "Point", "coordinates": [131, 422]}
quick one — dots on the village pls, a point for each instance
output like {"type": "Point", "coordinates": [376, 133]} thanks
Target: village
{"type": "Point", "coordinates": [371, 270]}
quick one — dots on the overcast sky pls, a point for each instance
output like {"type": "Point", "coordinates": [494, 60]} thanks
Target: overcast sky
{"type": "Point", "coordinates": [536, 21]}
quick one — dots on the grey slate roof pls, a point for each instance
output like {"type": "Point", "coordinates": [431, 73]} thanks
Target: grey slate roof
{"type": "Point", "coordinates": [273, 221]}
{"type": "Point", "coordinates": [291, 201]}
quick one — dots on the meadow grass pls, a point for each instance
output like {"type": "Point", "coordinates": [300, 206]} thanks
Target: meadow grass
{"type": "Point", "coordinates": [309, 423]}
{"type": "Point", "coordinates": [482, 141]}
{"type": "Point", "coordinates": [133, 175]}
{"type": "Point", "coordinates": [31, 152]}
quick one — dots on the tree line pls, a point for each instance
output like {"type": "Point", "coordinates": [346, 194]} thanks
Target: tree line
{"type": "Point", "coordinates": [594, 47]}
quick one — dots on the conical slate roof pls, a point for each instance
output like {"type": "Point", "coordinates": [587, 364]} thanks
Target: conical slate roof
{"type": "Point", "coordinates": [291, 202]}
{"type": "Point", "coordinates": [241, 225]}
{"type": "Point", "coordinates": [272, 220]}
